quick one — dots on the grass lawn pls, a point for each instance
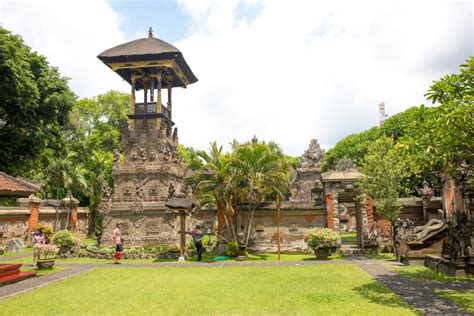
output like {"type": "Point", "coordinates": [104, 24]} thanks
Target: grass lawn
{"type": "Point", "coordinates": [303, 290]}
{"type": "Point", "coordinates": [418, 272]}
{"type": "Point", "coordinates": [43, 272]}
{"type": "Point", "coordinates": [349, 238]}
{"type": "Point", "coordinates": [7, 254]}
{"type": "Point", "coordinates": [462, 298]}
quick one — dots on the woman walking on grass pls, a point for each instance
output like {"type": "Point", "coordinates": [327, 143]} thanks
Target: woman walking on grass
{"type": "Point", "coordinates": [118, 244]}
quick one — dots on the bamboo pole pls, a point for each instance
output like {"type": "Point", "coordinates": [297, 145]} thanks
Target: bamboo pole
{"type": "Point", "coordinates": [278, 204]}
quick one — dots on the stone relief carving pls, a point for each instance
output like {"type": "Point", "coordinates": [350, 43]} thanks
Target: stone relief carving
{"type": "Point", "coordinates": [307, 178]}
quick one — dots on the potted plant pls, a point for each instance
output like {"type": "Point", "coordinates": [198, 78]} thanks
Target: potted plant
{"type": "Point", "coordinates": [65, 240]}
{"type": "Point", "coordinates": [47, 254]}
{"type": "Point", "coordinates": [324, 242]}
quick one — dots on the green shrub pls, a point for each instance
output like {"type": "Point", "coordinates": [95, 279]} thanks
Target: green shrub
{"type": "Point", "coordinates": [64, 238]}
{"type": "Point", "coordinates": [47, 231]}
{"type": "Point", "coordinates": [232, 249]}
{"type": "Point", "coordinates": [323, 238]}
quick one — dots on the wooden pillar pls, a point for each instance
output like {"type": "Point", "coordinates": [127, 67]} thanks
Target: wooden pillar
{"type": "Point", "coordinates": [330, 210]}
{"type": "Point", "coordinates": [182, 227]}
{"type": "Point", "coordinates": [132, 99]}
{"type": "Point", "coordinates": [278, 206]}
{"type": "Point", "coordinates": [34, 213]}
{"type": "Point", "coordinates": [158, 99]}
{"type": "Point", "coordinates": [170, 107]}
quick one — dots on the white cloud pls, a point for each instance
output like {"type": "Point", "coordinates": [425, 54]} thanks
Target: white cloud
{"type": "Point", "coordinates": [70, 34]}
{"type": "Point", "coordinates": [307, 69]}
{"type": "Point", "coordinates": [297, 70]}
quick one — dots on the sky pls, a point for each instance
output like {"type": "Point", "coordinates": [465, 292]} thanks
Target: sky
{"type": "Point", "coordinates": [286, 71]}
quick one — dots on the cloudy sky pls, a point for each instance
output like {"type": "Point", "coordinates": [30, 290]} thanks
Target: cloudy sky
{"type": "Point", "coordinates": [286, 71]}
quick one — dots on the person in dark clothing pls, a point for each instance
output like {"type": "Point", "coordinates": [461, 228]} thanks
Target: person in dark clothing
{"type": "Point", "coordinates": [197, 238]}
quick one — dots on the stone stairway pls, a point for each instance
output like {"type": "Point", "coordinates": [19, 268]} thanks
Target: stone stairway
{"type": "Point", "coordinates": [10, 273]}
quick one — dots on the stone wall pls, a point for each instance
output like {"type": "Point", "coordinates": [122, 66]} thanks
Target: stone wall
{"type": "Point", "coordinates": [14, 221]}
{"type": "Point", "coordinates": [296, 219]}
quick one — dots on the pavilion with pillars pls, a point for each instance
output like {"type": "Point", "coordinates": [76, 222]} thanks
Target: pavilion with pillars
{"type": "Point", "coordinates": [149, 171]}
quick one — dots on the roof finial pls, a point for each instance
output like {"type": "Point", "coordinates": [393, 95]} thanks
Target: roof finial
{"type": "Point", "coordinates": [150, 33]}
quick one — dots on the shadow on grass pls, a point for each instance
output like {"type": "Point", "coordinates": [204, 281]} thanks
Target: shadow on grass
{"type": "Point", "coordinates": [378, 294]}
{"type": "Point", "coordinates": [463, 298]}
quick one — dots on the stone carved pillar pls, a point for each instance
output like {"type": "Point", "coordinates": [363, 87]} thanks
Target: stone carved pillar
{"type": "Point", "coordinates": [33, 220]}
{"type": "Point", "coordinates": [335, 196]}
{"type": "Point", "coordinates": [363, 216]}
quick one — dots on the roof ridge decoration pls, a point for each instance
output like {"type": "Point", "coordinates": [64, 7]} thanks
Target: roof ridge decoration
{"type": "Point", "coordinates": [150, 33]}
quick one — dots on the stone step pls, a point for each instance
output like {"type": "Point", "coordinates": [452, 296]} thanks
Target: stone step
{"type": "Point", "coordinates": [4, 280]}
{"type": "Point", "coordinates": [10, 273]}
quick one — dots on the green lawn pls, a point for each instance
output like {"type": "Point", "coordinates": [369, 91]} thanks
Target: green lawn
{"type": "Point", "coordinates": [349, 238]}
{"type": "Point", "coordinates": [462, 298]}
{"type": "Point", "coordinates": [303, 290]}
{"type": "Point", "coordinates": [43, 272]}
{"type": "Point", "coordinates": [7, 254]}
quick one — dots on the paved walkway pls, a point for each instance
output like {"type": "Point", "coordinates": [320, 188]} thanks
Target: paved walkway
{"type": "Point", "coordinates": [419, 295]}
{"type": "Point", "coordinates": [416, 294]}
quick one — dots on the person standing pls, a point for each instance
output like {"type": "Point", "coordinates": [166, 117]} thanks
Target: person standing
{"type": "Point", "coordinates": [197, 238]}
{"type": "Point", "coordinates": [38, 241]}
{"type": "Point", "coordinates": [118, 243]}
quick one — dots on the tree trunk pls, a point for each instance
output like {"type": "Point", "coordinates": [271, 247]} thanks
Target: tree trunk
{"type": "Point", "coordinates": [249, 225]}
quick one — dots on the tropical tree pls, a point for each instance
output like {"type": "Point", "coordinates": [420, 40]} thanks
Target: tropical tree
{"type": "Point", "coordinates": [384, 167]}
{"type": "Point", "coordinates": [262, 172]}
{"type": "Point", "coordinates": [215, 183]}
{"type": "Point", "coordinates": [35, 102]}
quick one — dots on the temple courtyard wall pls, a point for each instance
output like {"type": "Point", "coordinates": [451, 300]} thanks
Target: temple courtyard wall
{"type": "Point", "coordinates": [18, 221]}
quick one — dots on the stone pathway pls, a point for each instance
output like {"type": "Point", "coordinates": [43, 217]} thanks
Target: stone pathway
{"type": "Point", "coordinates": [418, 294]}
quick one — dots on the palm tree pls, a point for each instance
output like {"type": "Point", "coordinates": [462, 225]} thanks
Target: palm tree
{"type": "Point", "coordinates": [215, 183]}
{"type": "Point", "coordinates": [262, 172]}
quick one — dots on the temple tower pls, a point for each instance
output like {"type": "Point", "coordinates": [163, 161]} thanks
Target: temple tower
{"type": "Point", "coordinates": [150, 171]}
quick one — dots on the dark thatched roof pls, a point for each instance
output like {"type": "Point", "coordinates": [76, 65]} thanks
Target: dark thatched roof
{"type": "Point", "coordinates": [142, 46]}
{"type": "Point", "coordinates": [180, 203]}
{"type": "Point", "coordinates": [146, 49]}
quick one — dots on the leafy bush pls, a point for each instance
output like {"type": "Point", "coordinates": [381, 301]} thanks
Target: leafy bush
{"type": "Point", "coordinates": [323, 238]}
{"type": "Point", "coordinates": [47, 231]}
{"type": "Point", "coordinates": [64, 238]}
{"type": "Point", "coordinates": [232, 249]}
{"type": "Point", "coordinates": [47, 251]}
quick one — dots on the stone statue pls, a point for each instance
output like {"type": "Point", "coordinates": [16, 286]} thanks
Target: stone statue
{"type": "Point", "coordinates": [116, 157]}
{"type": "Point", "coordinates": [460, 231]}
{"type": "Point", "coordinates": [171, 190]}
{"type": "Point", "coordinates": [431, 226]}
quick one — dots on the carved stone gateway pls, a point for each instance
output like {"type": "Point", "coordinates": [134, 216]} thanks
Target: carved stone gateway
{"type": "Point", "coordinates": [149, 171]}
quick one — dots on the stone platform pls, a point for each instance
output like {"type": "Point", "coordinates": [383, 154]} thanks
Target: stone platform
{"type": "Point", "coordinates": [10, 273]}
{"type": "Point", "coordinates": [459, 268]}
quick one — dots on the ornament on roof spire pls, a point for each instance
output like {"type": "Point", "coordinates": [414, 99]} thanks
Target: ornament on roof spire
{"type": "Point", "coordinates": [150, 33]}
